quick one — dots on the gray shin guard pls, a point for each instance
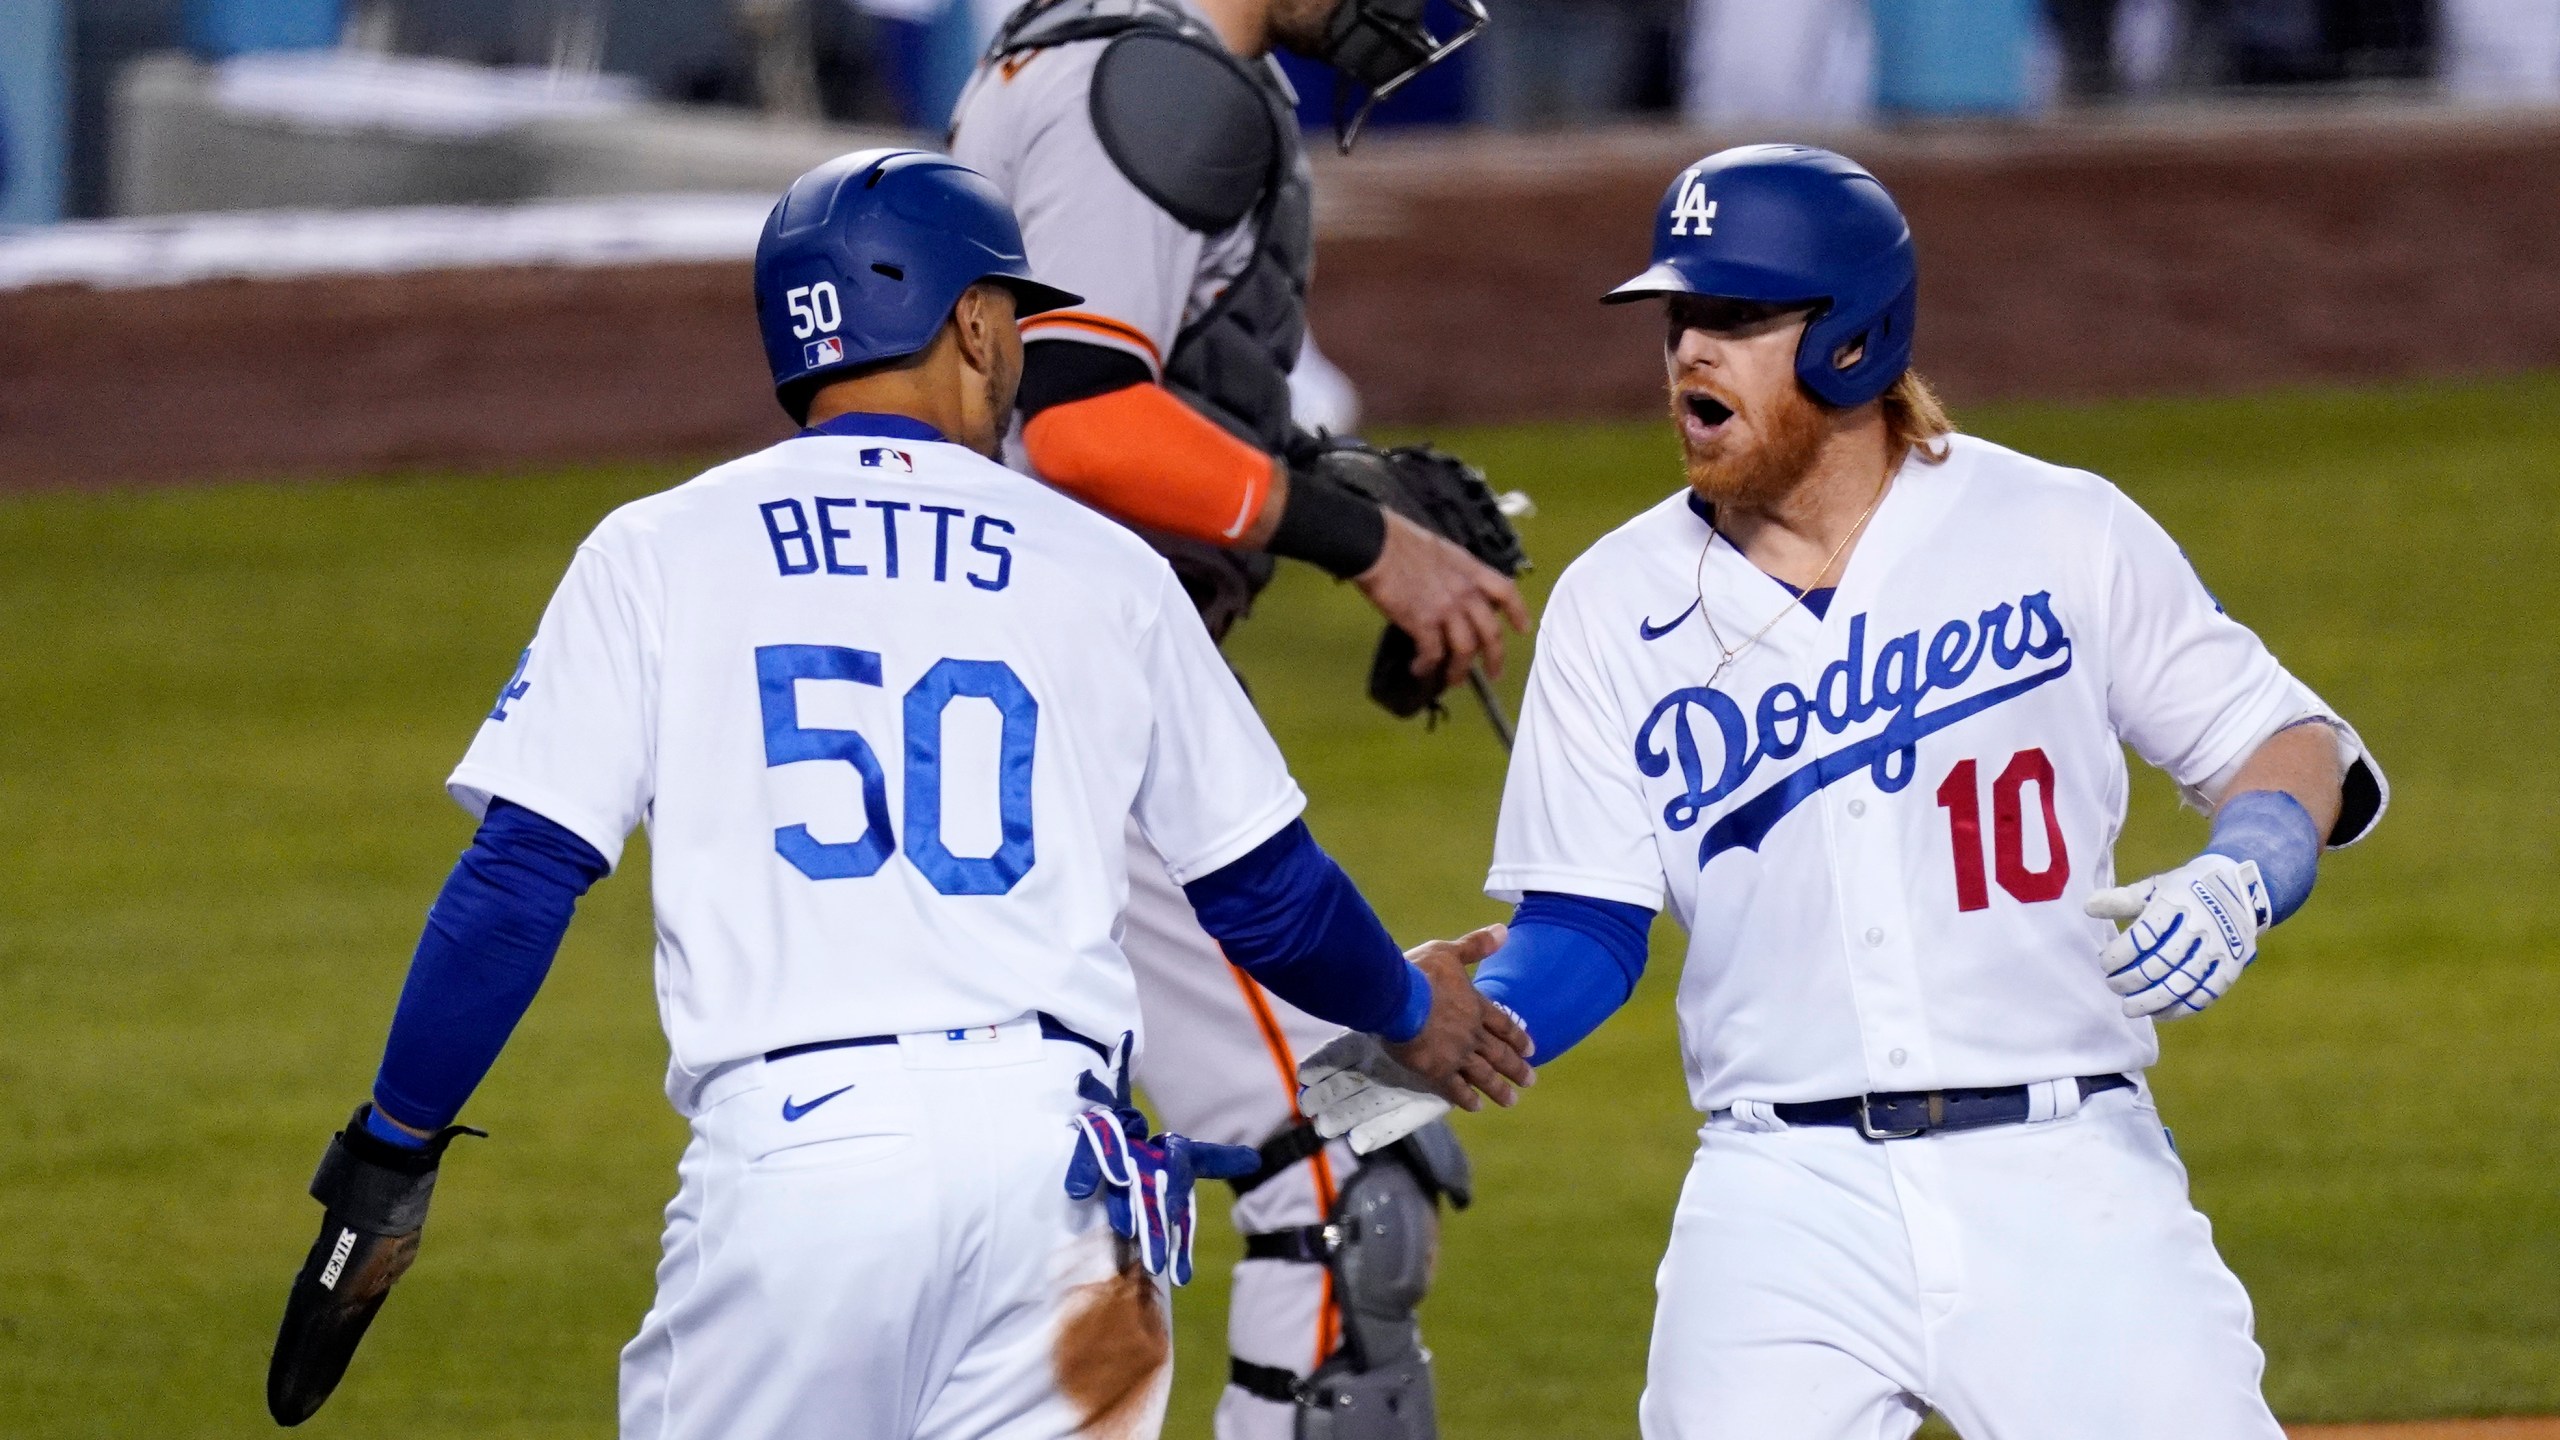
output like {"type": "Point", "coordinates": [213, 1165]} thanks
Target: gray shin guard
{"type": "Point", "coordinates": [1379, 1242]}
{"type": "Point", "coordinates": [1384, 1238]}
{"type": "Point", "coordinates": [1389, 1404]}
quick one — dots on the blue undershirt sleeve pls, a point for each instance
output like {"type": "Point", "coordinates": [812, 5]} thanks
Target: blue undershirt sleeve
{"type": "Point", "coordinates": [489, 942]}
{"type": "Point", "coordinates": [1569, 963]}
{"type": "Point", "coordinates": [1286, 915]}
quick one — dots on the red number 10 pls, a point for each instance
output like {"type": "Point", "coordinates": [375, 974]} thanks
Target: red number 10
{"type": "Point", "coordinates": [1960, 796]}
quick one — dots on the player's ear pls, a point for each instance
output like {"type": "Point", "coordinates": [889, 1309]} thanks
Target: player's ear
{"type": "Point", "coordinates": [984, 322]}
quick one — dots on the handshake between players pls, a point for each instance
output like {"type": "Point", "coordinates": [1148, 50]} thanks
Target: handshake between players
{"type": "Point", "coordinates": [895, 1029]}
{"type": "Point", "coordinates": [1377, 1093]}
{"type": "Point", "coordinates": [1471, 1049]}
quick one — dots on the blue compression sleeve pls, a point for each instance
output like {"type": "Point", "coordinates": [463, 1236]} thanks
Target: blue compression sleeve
{"type": "Point", "coordinates": [488, 943]}
{"type": "Point", "coordinates": [1570, 963]}
{"type": "Point", "coordinates": [1287, 915]}
{"type": "Point", "coordinates": [2272, 828]}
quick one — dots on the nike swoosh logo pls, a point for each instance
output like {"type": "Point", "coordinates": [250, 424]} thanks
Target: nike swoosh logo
{"type": "Point", "coordinates": [793, 1112]}
{"type": "Point", "coordinates": [1647, 630]}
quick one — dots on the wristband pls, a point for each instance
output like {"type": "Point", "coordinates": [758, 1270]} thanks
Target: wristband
{"type": "Point", "coordinates": [382, 1129]}
{"type": "Point", "coordinates": [2271, 828]}
{"type": "Point", "coordinates": [1330, 526]}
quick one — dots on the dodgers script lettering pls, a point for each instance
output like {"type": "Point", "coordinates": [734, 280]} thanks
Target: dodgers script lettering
{"type": "Point", "coordinates": [1849, 693]}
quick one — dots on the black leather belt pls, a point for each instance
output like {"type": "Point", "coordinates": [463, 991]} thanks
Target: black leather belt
{"type": "Point", "coordinates": [1902, 1114]}
{"type": "Point", "coordinates": [1051, 1028]}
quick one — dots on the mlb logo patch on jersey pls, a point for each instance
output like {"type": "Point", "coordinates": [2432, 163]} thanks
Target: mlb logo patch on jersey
{"type": "Point", "coordinates": [822, 352]}
{"type": "Point", "coordinates": [881, 457]}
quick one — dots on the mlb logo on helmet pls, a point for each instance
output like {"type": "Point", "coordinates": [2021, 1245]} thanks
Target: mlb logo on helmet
{"type": "Point", "coordinates": [822, 352]}
{"type": "Point", "coordinates": [882, 457]}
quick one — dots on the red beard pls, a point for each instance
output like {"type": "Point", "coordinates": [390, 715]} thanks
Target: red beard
{"type": "Point", "coordinates": [1756, 473]}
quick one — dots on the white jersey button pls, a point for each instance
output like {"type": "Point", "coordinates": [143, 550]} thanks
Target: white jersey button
{"type": "Point", "coordinates": [1857, 809]}
{"type": "Point", "coordinates": [1875, 937]}
{"type": "Point", "coordinates": [1897, 1057]}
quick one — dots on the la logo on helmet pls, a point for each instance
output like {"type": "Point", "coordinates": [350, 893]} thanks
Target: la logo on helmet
{"type": "Point", "coordinates": [1693, 208]}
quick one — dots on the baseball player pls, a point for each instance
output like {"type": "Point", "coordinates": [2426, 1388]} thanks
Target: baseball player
{"type": "Point", "coordinates": [1856, 701]}
{"type": "Point", "coordinates": [1152, 151]}
{"type": "Point", "coordinates": [886, 708]}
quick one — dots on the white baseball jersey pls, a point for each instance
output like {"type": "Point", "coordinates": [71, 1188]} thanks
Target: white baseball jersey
{"type": "Point", "coordinates": [886, 708]}
{"type": "Point", "coordinates": [1879, 827]}
{"type": "Point", "coordinates": [1027, 124]}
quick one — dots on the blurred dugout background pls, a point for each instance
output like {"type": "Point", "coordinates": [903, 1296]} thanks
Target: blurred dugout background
{"type": "Point", "coordinates": [505, 231]}
{"type": "Point", "coordinates": [71, 93]}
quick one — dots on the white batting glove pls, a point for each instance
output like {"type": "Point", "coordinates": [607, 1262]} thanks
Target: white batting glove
{"type": "Point", "coordinates": [1353, 1086]}
{"type": "Point", "coordinates": [2194, 930]}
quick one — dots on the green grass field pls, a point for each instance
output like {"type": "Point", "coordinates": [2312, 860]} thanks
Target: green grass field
{"type": "Point", "coordinates": [226, 715]}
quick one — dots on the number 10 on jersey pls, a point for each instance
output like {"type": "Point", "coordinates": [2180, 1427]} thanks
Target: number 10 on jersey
{"type": "Point", "coordinates": [1960, 795]}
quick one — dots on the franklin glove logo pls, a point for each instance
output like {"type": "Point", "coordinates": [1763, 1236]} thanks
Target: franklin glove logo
{"type": "Point", "coordinates": [337, 1260]}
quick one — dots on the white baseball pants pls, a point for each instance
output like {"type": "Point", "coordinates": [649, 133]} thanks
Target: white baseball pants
{"type": "Point", "coordinates": [1220, 1064]}
{"type": "Point", "coordinates": [894, 1263]}
{"type": "Point", "coordinates": [2045, 1281]}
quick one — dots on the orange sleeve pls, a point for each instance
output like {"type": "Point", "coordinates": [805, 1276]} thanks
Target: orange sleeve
{"type": "Point", "coordinates": [1141, 455]}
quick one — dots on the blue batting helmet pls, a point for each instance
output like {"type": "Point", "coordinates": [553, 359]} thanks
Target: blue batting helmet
{"type": "Point", "coordinates": [1788, 224]}
{"type": "Point", "coordinates": [863, 258]}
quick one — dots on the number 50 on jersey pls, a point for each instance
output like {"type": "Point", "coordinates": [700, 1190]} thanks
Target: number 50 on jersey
{"type": "Point", "coordinates": [787, 741]}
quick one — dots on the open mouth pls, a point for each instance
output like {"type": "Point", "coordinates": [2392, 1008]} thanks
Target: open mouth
{"type": "Point", "coordinates": [1702, 414]}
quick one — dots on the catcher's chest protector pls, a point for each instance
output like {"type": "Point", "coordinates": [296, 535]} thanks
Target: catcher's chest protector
{"type": "Point", "coordinates": [1212, 139]}
{"type": "Point", "coordinates": [1166, 79]}
{"type": "Point", "coordinates": [1233, 362]}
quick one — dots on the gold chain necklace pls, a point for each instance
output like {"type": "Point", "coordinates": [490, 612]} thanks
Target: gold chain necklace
{"type": "Point", "coordinates": [1735, 652]}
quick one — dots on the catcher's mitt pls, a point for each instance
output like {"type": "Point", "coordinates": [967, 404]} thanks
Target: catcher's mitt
{"type": "Point", "coordinates": [1442, 494]}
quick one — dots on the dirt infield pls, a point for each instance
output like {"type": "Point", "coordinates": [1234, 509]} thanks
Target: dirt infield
{"type": "Point", "coordinates": [1456, 283]}
{"type": "Point", "coordinates": [2433, 1431]}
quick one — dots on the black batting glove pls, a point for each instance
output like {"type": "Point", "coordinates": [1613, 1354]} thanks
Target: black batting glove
{"type": "Point", "coordinates": [376, 1195]}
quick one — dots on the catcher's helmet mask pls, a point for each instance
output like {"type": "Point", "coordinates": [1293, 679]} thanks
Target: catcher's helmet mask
{"type": "Point", "coordinates": [1376, 47]}
{"type": "Point", "coordinates": [1796, 226]}
{"type": "Point", "coordinates": [863, 258]}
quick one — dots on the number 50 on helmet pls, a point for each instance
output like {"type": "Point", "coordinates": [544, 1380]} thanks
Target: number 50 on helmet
{"type": "Point", "coordinates": [864, 256]}
{"type": "Point", "coordinates": [1790, 224]}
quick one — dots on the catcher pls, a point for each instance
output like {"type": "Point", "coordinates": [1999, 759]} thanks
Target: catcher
{"type": "Point", "coordinates": [1152, 152]}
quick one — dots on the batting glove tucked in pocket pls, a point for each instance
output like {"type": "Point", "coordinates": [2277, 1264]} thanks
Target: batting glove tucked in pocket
{"type": "Point", "coordinates": [1146, 1183]}
{"type": "Point", "coordinates": [2194, 930]}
